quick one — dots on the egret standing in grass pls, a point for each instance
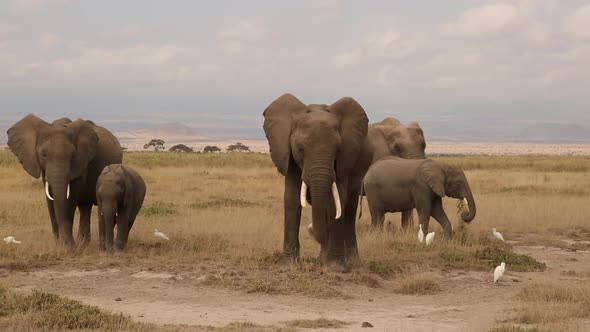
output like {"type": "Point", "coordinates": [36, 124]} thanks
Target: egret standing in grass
{"type": "Point", "coordinates": [429, 238]}
{"type": "Point", "coordinates": [497, 235]}
{"type": "Point", "coordinates": [499, 272]}
{"type": "Point", "coordinates": [11, 240]}
{"type": "Point", "coordinates": [160, 235]}
{"type": "Point", "coordinates": [420, 234]}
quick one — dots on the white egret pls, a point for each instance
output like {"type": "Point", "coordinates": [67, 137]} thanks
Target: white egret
{"type": "Point", "coordinates": [499, 272]}
{"type": "Point", "coordinates": [160, 235]}
{"type": "Point", "coordinates": [497, 235]}
{"type": "Point", "coordinates": [420, 234]}
{"type": "Point", "coordinates": [430, 238]}
{"type": "Point", "coordinates": [11, 240]}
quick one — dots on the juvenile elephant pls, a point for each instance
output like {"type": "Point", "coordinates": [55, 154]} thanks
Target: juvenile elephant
{"type": "Point", "coordinates": [69, 156]}
{"type": "Point", "coordinates": [393, 184]}
{"type": "Point", "coordinates": [120, 191]}
{"type": "Point", "coordinates": [320, 149]}
{"type": "Point", "coordinates": [390, 137]}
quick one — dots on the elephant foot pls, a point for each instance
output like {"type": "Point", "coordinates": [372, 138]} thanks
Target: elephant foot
{"type": "Point", "coordinates": [338, 265]}
{"type": "Point", "coordinates": [288, 261]}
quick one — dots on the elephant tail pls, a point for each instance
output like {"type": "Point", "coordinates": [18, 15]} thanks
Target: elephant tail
{"type": "Point", "coordinates": [361, 200]}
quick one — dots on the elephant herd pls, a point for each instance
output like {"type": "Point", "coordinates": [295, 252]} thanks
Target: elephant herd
{"type": "Point", "coordinates": [329, 156]}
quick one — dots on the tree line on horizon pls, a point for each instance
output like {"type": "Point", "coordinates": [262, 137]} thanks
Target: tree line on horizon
{"type": "Point", "coordinates": [158, 145]}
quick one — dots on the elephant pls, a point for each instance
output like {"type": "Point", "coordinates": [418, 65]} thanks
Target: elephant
{"type": "Point", "coordinates": [120, 191]}
{"type": "Point", "coordinates": [69, 156]}
{"type": "Point", "coordinates": [320, 150]}
{"type": "Point", "coordinates": [394, 184]}
{"type": "Point", "coordinates": [390, 137]}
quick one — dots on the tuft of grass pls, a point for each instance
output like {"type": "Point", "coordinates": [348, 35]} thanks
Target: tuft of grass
{"type": "Point", "coordinates": [223, 203]}
{"type": "Point", "coordinates": [158, 209]}
{"type": "Point", "coordinates": [49, 312]}
{"type": "Point", "coordinates": [498, 252]}
{"type": "Point", "coordinates": [517, 329]}
{"type": "Point", "coordinates": [420, 284]}
{"type": "Point", "coordinates": [320, 323]}
{"type": "Point", "coordinates": [550, 303]}
{"type": "Point", "coordinates": [380, 268]}
{"type": "Point", "coordinates": [262, 286]}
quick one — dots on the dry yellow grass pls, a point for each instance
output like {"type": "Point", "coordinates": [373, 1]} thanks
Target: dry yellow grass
{"type": "Point", "coordinates": [224, 213]}
{"type": "Point", "coordinates": [229, 207]}
{"type": "Point", "coordinates": [418, 284]}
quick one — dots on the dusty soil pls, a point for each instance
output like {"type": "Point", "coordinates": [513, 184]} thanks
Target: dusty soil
{"type": "Point", "coordinates": [469, 300]}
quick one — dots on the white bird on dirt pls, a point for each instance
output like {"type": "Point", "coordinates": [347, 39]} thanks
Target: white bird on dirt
{"type": "Point", "coordinates": [499, 272]}
{"type": "Point", "coordinates": [429, 238]}
{"type": "Point", "coordinates": [11, 240]}
{"type": "Point", "coordinates": [160, 235]}
{"type": "Point", "coordinates": [497, 235]}
{"type": "Point", "coordinates": [420, 234]}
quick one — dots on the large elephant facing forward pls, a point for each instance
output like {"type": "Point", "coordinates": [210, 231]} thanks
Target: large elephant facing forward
{"type": "Point", "coordinates": [319, 149]}
{"type": "Point", "coordinates": [393, 184]}
{"type": "Point", "coordinates": [69, 156]}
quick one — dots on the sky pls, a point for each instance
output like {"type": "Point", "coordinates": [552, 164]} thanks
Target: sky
{"type": "Point", "coordinates": [210, 64]}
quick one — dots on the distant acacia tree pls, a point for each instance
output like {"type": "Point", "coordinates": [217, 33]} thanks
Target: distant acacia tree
{"type": "Point", "coordinates": [158, 145]}
{"type": "Point", "coordinates": [238, 147]}
{"type": "Point", "coordinates": [124, 148]}
{"type": "Point", "coordinates": [211, 149]}
{"type": "Point", "coordinates": [181, 148]}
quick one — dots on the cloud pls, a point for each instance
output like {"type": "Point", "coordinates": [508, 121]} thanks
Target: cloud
{"type": "Point", "coordinates": [34, 5]}
{"type": "Point", "coordinates": [48, 40]}
{"type": "Point", "coordinates": [482, 22]}
{"type": "Point", "coordinates": [241, 36]}
{"type": "Point", "coordinates": [577, 25]}
{"type": "Point", "coordinates": [346, 59]}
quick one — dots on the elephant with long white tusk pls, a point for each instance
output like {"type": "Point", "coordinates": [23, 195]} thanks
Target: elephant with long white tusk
{"type": "Point", "coordinates": [320, 149]}
{"type": "Point", "coordinates": [69, 156]}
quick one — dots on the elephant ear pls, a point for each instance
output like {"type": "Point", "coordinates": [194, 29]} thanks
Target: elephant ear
{"type": "Point", "coordinates": [353, 131]}
{"type": "Point", "coordinates": [22, 140]}
{"type": "Point", "coordinates": [277, 127]}
{"type": "Point", "coordinates": [389, 122]}
{"type": "Point", "coordinates": [433, 174]}
{"type": "Point", "coordinates": [61, 121]}
{"type": "Point", "coordinates": [86, 141]}
{"type": "Point", "coordinates": [391, 134]}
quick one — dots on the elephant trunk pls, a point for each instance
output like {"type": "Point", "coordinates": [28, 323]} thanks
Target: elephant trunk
{"type": "Point", "coordinates": [469, 215]}
{"type": "Point", "coordinates": [326, 205]}
{"type": "Point", "coordinates": [57, 189]}
{"type": "Point", "coordinates": [109, 214]}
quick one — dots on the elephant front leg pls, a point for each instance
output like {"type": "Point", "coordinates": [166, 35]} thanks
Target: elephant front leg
{"type": "Point", "coordinates": [349, 227]}
{"type": "Point", "coordinates": [101, 230]}
{"type": "Point", "coordinates": [122, 230]}
{"type": "Point", "coordinates": [84, 231]}
{"type": "Point", "coordinates": [54, 223]}
{"type": "Point", "coordinates": [407, 219]}
{"type": "Point", "coordinates": [424, 210]}
{"type": "Point", "coordinates": [292, 215]}
{"type": "Point", "coordinates": [438, 213]}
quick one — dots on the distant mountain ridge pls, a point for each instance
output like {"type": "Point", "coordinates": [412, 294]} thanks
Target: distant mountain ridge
{"type": "Point", "coordinates": [165, 131]}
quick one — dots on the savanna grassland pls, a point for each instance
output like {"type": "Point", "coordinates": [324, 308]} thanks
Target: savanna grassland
{"type": "Point", "coordinates": [223, 214]}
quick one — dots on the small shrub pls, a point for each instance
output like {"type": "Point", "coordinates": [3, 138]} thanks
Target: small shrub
{"type": "Point", "coordinates": [380, 268]}
{"type": "Point", "coordinates": [159, 209]}
{"type": "Point", "coordinates": [421, 284]}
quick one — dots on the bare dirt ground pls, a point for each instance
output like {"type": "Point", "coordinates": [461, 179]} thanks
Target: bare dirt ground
{"type": "Point", "coordinates": [469, 300]}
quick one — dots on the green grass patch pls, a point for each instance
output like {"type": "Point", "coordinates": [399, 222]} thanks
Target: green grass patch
{"type": "Point", "coordinates": [158, 209]}
{"type": "Point", "coordinates": [46, 311]}
{"type": "Point", "coordinates": [224, 203]}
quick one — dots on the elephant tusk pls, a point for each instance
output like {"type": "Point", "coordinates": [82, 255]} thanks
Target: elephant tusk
{"type": "Point", "coordinates": [336, 200]}
{"type": "Point", "coordinates": [47, 191]}
{"type": "Point", "coordinates": [466, 203]}
{"type": "Point", "coordinates": [303, 194]}
{"type": "Point", "coordinates": [68, 192]}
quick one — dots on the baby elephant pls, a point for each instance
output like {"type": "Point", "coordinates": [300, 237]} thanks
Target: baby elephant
{"type": "Point", "coordinates": [120, 191]}
{"type": "Point", "coordinates": [393, 184]}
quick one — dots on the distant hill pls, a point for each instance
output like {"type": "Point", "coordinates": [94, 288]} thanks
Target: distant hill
{"type": "Point", "coordinates": [555, 132]}
{"type": "Point", "coordinates": [167, 131]}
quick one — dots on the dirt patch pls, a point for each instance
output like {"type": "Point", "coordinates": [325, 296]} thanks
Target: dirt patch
{"type": "Point", "coordinates": [468, 301]}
